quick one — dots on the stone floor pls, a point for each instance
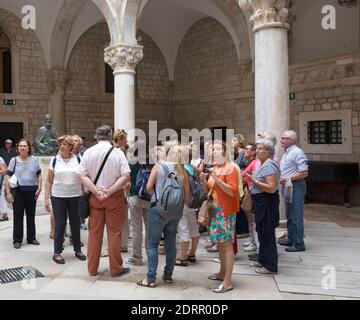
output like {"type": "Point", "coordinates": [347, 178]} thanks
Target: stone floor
{"type": "Point", "coordinates": [332, 240]}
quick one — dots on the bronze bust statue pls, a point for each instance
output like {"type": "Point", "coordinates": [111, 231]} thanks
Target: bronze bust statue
{"type": "Point", "coordinates": [46, 139]}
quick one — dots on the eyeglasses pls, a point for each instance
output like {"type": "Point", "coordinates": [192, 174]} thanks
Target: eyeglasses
{"type": "Point", "coordinates": [284, 138]}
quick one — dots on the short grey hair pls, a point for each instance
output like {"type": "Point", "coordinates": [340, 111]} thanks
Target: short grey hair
{"type": "Point", "coordinates": [291, 135]}
{"type": "Point", "coordinates": [76, 136]}
{"type": "Point", "coordinates": [270, 136]}
{"type": "Point", "coordinates": [103, 133]}
{"type": "Point", "coordinates": [268, 144]}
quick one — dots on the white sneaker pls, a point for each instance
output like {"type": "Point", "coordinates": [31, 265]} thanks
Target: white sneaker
{"type": "Point", "coordinates": [251, 247]}
{"type": "Point", "coordinates": [247, 243]}
{"type": "Point", "coordinates": [217, 260]}
{"type": "Point", "coordinates": [133, 261]}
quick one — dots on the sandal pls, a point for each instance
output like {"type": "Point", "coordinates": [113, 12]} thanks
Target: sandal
{"type": "Point", "coordinates": [191, 259]}
{"type": "Point", "coordinates": [167, 280]}
{"type": "Point", "coordinates": [180, 262]}
{"type": "Point", "coordinates": [215, 276]}
{"type": "Point", "coordinates": [146, 284]}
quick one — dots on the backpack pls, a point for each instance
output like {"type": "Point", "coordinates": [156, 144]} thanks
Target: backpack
{"type": "Point", "coordinates": [142, 178]}
{"type": "Point", "coordinates": [171, 199]}
{"type": "Point", "coordinates": [197, 194]}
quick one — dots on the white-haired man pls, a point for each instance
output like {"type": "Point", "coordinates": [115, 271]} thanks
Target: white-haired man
{"type": "Point", "coordinates": [294, 166]}
{"type": "Point", "coordinates": [107, 201]}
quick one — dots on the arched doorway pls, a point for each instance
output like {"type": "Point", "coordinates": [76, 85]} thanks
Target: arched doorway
{"type": "Point", "coordinates": [5, 63]}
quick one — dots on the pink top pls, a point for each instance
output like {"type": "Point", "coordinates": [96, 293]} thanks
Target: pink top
{"type": "Point", "coordinates": [250, 169]}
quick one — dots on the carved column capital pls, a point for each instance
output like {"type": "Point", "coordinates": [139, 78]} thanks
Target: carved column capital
{"type": "Point", "coordinates": [57, 80]}
{"type": "Point", "coordinates": [123, 58]}
{"type": "Point", "coordinates": [267, 13]}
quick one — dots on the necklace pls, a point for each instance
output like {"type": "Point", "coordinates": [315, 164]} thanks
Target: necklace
{"type": "Point", "coordinates": [66, 160]}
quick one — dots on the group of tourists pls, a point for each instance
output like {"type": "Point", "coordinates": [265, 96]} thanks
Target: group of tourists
{"type": "Point", "coordinates": [165, 199]}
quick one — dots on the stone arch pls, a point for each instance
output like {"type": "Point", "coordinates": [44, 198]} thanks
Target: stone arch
{"type": "Point", "coordinates": [8, 32]}
{"type": "Point", "coordinates": [14, 51]}
{"type": "Point", "coordinates": [29, 55]}
{"type": "Point", "coordinates": [237, 19]}
{"type": "Point", "coordinates": [120, 19]}
{"type": "Point", "coordinates": [213, 62]}
{"type": "Point", "coordinates": [59, 39]}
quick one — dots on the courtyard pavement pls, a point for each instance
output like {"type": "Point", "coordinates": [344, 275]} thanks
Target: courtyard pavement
{"type": "Point", "coordinates": [329, 269]}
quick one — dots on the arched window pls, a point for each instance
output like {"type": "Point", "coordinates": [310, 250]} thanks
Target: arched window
{"type": "Point", "coordinates": [5, 63]}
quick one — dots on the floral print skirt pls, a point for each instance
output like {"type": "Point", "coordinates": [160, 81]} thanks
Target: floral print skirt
{"type": "Point", "coordinates": [222, 228]}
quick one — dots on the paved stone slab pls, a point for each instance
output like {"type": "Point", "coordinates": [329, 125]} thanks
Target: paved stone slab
{"type": "Point", "coordinates": [299, 273]}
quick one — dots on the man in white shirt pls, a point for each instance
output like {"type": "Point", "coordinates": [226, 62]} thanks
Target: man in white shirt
{"type": "Point", "coordinates": [107, 201]}
{"type": "Point", "coordinates": [294, 167]}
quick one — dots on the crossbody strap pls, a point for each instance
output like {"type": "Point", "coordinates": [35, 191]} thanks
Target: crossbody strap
{"type": "Point", "coordinates": [102, 165]}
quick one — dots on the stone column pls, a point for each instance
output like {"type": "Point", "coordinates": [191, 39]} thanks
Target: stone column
{"type": "Point", "coordinates": [123, 59]}
{"type": "Point", "coordinates": [270, 26]}
{"type": "Point", "coordinates": [57, 80]}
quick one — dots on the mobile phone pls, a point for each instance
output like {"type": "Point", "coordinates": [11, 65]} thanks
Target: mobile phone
{"type": "Point", "coordinates": [207, 169]}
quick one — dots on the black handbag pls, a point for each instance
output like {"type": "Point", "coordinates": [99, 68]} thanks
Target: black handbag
{"type": "Point", "coordinates": [84, 199]}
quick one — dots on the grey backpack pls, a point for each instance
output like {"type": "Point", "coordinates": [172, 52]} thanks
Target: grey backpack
{"type": "Point", "coordinates": [171, 199]}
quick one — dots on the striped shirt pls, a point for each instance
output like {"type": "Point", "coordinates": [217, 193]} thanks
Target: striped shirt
{"type": "Point", "coordinates": [294, 160]}
{"type": "Point", "coordinates": [267, 169]}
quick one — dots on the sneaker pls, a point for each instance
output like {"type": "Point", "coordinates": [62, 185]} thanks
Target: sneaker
{"type": "Point", "coordinates": [253, 256]}
{"type": "Point", "coordinates": [285, 242]}
{"type": "Point", "coordinates": [133, 261]}
{"type": "Point", "coordinates": [209, 244]}
{"type": "Point", "coordinates": [251, 247]}
{"type": "Point", "coordinates": [294, 249]}
{"type": "Point", "coordinates": [217, 260]}
{"type": "Point", "coordinates": [247, 243]}
{"type": "Point", "coordinates": [255, 264]}
{"type": "Point", "coordinates": [212, 249]}
{"type": "Point", "coordinates": [264, 271]}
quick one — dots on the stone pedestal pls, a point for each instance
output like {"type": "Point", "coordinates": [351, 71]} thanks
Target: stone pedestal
{"type": "Point", "coordinates": [57, 80]}
{"type": "Point", "coordinates": [44, 162]}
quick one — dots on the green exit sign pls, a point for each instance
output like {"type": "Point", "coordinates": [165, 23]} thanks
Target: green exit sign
{"type": "Point", "coordinates": [292, 96]}
{"type": "Point", "coordinates": [9, 102]}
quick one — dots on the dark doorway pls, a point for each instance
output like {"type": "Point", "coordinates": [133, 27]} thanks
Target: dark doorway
{"type": "Point", "coordinates": [7, 71]}
{"type": "Point", "coordinates": [12, 130]}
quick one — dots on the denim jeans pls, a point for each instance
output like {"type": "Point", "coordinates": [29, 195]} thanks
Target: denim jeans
{"type": "Point", "coordinates": [157, 226]}
{"type": "Point", "coordinates": [295, 215]}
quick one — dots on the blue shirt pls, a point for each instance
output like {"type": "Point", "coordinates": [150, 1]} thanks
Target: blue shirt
{"type": "Point", "coordinates": [26, 173]}
{"type": "Point", "coordinates": [268, 168]}
{"type": "Point", "coordinates": [293, 161]}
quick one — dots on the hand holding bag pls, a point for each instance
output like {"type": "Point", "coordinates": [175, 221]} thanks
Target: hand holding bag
{"type": "Point", "coordinates": [246, 202]}
{"type": "Point", "coordinates": [205, 210]}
